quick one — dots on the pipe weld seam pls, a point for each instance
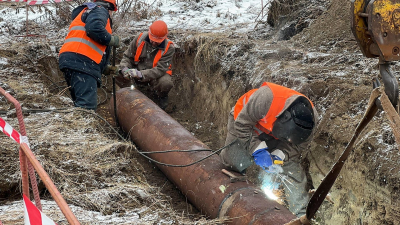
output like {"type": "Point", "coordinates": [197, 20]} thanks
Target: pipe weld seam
{"type": "Point", "coordinates": [229, 195]}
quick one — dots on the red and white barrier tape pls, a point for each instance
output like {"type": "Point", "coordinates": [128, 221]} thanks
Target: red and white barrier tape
{"type": "Point", "coordinates": [36, 2]}
{"type": "Point", "coordinates": [12, 133]}
{"type": "Point", "coordinates": [12, 0]}
{"type": "Point", "coordinates": [42, 2]}
{"type": "Point", "coordinates": [34, 216]}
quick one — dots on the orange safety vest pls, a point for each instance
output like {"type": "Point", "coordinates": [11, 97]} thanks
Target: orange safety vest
{"type": "Point", "coordinates": [77, 41]}
{"type": "Point", "coordinates": [160, 53]}
{"type": "Point", "coordinates": [280, 95]}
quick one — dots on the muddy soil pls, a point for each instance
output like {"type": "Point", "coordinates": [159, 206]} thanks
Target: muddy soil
{"type": "Point", "coordinates": [98, 173]}
{"type": "Point", "coordinates": [323, 62]}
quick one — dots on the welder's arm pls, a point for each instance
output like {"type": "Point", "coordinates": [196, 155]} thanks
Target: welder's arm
{"type": "Point", "coordinates": [270, 162]}
{"type": "Point", "coordinates": [255, 109]}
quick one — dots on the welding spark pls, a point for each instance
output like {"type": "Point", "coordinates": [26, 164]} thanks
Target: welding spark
{"type": "Point", "coordinates": [269, 193]}
{"type": "Point", "coordinates": [269, 184]}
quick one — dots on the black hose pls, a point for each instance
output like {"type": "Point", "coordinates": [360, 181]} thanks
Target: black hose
{"type": "Point", "coordinates": [67, 110]}
{"type": "Point", "coordinates": [190, 164]}
{"type": "Point", "coordinates": [115, 103]}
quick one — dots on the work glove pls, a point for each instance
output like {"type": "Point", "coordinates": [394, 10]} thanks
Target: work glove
{"type": "Point", "coordinates": [134, 73]}
{"type": "Point", "coordinates": [270, 162]}
{"type": "Point", "coordinates": [110, 70]}
{"type": "Point", "coordinates": [114, 41]}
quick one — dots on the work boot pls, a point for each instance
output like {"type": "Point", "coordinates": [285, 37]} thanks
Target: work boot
{"type": "Point", "coordinates": [163, 102]}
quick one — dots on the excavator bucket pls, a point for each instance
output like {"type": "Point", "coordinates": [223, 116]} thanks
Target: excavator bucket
{"type": "Point", "coordinates": [359, 27]}
{"type": "Point", "coordinates": [376, 27]}
{"type": "Point", "coordinates": [384, 25]}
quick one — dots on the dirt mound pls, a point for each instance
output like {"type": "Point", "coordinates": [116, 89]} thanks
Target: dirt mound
{"type": "Point", "coordinates": [331, 31]}
{"type": "Point", "coordinates": [290, 17]}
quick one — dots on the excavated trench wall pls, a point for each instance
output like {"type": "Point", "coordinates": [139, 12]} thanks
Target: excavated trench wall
{"type": "Point", "coordinates": [212, 72]}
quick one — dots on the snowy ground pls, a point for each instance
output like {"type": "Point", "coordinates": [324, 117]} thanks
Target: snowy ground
{"type": "Point", "coordinates": [205, 16]}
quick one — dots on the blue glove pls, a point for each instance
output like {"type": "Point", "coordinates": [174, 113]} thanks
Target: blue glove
{"type": "Point", "coordinates": [269, 163]}
{"type": "Point", "coordinates": [262, 158]}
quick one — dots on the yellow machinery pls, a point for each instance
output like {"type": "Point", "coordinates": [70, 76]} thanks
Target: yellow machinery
{"type": "Point", "coordinates": [376, 27]}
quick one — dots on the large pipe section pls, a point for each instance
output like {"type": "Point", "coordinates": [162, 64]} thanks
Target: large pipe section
{"type": "Point", "coordinates": [207, 188]}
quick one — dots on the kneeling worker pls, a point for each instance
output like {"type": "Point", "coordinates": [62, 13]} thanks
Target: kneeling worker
{"type": "Point", "coordinates": [272, 125]}
{"type": "Point", "coordinates": [148, 60]}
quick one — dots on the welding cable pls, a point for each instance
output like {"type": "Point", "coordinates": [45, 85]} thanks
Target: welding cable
{"type": "Point", "coordinates": [176, 150]}
{"type": "Point", "coordinates": [190, 164]}
{"type": "Point", "coordinates": [68, 110]}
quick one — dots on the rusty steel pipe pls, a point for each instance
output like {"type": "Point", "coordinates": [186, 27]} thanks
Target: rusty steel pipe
{"type": "Point", "coordinates": [207, 188]}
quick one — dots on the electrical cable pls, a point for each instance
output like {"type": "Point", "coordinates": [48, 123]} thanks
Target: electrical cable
{"type": "Point", "coordinates": [191, 150]}
{"type": "Point", "coordinates": [190, 164]}
{"type": "Point", "coordinates": [67, 110]}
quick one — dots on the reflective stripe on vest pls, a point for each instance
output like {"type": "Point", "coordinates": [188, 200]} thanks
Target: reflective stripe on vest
{"type": "Point", "coordinates": [280, 95]}
{"type": "Point", "coordinates": [140, 44]}
{"type": "Point", "coordinates": [77, 40]}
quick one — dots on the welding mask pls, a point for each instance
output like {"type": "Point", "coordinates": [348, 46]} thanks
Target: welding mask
{"type": "Point", "coordinates": [295, 124]}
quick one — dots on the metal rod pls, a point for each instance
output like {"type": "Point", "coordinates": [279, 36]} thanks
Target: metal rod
{"type": "Point", "coordinates": [389, 82]}
{"type": "Point", "coordinates": [50, 185]}
{"type": "Point", "coordinates": [115, 103]}
{"type": "Point", "coordinates": [27, 31]}
{"type": "Point", "coordinates": [22, 159]}
{"type": "Point", "coordinates": [363, 14]}
{"type": "Point", "coordinates": [206, 187]}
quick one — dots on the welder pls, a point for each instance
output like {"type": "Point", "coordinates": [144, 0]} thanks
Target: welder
{"type": "Point", "coordinates": [272, 125]}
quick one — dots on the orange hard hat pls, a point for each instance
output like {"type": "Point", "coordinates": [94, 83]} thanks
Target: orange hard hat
{"type": "Point", "coordinates": [158, 31]}
{"type": "Point", "coordinates": [114, 8]}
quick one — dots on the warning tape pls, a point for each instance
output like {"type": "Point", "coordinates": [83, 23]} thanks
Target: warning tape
{"type": "Point", "coordinates": [12, 133]}
{"type": "Point", "coordinates": [42, 2]}
{"type": "Point", "coordinates": [36, 2]}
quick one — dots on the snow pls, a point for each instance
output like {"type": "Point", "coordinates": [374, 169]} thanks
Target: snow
{"type": "Point", "coordinates": [211, 15]}
{"type": "Point", "coordinates": [15, 210]}
{"type": "Point", "coordinates": [205, 16]}
{"type": "Point", "coordinates": [3, 61]}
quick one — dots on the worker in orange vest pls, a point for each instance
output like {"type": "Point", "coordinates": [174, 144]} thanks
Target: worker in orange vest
{"type": "Point", "coordinates": [85, 53]}
{"type": "Point", "coordinates": [272, 126]}
{"type": "Point", "coordinates": [148, 60]}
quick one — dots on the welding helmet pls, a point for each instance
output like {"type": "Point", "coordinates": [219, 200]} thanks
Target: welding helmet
{"type": "Point", "coordinates": [296, 123]}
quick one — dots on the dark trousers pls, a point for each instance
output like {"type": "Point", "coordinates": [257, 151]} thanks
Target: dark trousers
{"type": "Point", "coordinates": [83, 89]}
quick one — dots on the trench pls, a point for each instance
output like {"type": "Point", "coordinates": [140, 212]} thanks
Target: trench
{"type": "Point", "coordinates": [211, 72]}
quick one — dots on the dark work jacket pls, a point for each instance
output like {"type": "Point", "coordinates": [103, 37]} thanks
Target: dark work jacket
{"type": "Point", "coordinates": [96, 21]}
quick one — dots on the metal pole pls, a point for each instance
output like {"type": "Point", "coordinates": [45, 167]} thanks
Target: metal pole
{"type": "Point", "coordinates": [27, 9]}
{"type": "Point", "coordinates": [389, 82]}
{"type": "Point", "coordinates": [262, 9]}
{"type": "Point", "coordinates": [50, 186]}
